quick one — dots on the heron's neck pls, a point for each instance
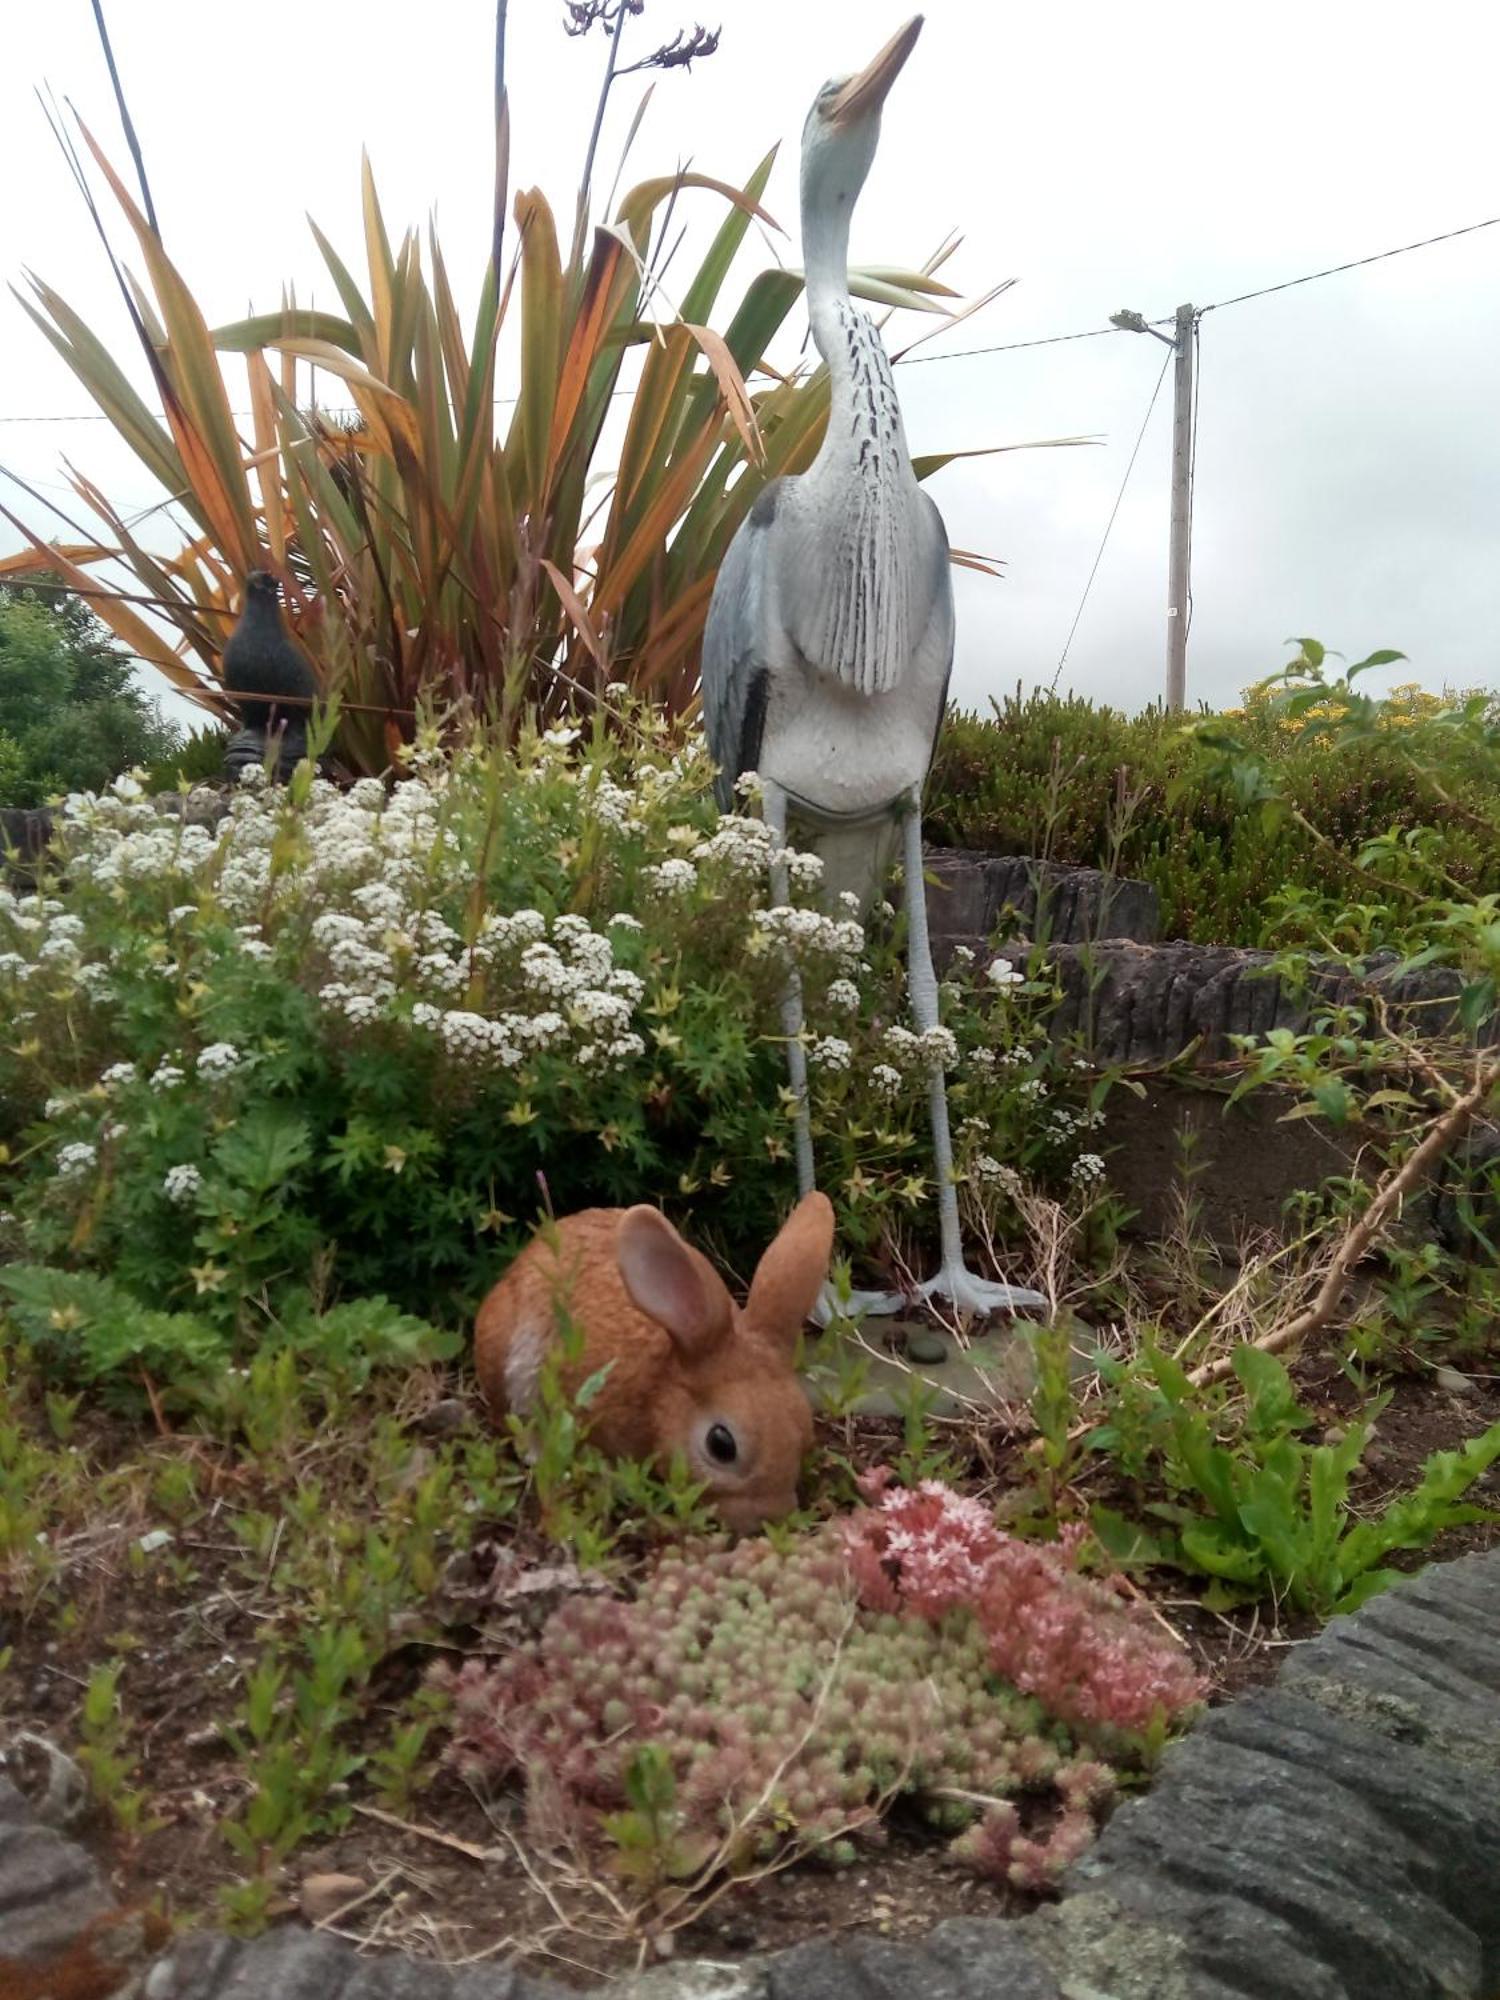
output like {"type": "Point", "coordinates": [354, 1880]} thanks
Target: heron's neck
{"type": "Point", "coordinates": [864, 417]}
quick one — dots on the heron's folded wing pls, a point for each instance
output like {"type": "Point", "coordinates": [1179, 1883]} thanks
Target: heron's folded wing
{"type": "Point", "coordinates": [735, 671]}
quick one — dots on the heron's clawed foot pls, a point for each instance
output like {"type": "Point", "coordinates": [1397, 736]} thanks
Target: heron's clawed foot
{"type": "Point", "coordinates": [969, 1294]}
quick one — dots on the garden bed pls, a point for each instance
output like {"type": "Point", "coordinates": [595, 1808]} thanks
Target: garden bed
{"type": "Point", "coordinates": [440, 1878]}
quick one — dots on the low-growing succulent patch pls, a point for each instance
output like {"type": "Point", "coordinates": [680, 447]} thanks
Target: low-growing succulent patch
{"type": "Point", "coordinates": [772, 1700]}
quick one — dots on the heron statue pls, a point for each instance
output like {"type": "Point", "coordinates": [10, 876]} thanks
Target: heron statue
{"type": "Point", "coordinates": [830, 636]}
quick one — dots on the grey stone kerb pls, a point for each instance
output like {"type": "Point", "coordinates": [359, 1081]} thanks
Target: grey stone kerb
{"type": "Point", "coordinates": [1334, 1837]}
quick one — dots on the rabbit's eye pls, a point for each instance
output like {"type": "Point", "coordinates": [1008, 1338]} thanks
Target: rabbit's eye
{"type": "Point", "coordinates": [721, 1444]}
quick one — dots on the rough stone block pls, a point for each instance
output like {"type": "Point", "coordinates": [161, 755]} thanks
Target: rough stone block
{"type": "Point", "coordinates": [49, 1888]}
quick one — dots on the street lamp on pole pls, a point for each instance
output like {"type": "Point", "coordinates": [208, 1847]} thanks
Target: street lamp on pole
{"type": "Point", "coordinates": [1178, 574]}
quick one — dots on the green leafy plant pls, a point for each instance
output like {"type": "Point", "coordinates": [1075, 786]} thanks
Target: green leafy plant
{"type": "Point", "coordinates": [1269, 1513]}
{"type": "Point", "coordinates": [322, 1050]}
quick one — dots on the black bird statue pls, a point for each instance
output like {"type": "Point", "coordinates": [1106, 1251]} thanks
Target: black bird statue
{"type": "Point", "coordinates": [262, 661]}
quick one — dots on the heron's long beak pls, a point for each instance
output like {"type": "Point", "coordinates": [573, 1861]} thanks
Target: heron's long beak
{"type": "Point", "coordinates": [867, 91]}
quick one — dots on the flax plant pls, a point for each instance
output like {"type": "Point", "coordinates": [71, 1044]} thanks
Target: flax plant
{"type": "Point", "coordinates": [444, 545]}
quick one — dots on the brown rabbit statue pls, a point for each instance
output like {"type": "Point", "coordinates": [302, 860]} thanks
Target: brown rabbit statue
{"type": "Point", "coordinates": [688, 1370]}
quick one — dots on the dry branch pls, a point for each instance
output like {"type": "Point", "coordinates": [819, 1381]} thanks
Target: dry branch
{"type": "Point", "coordinates": [1442, 1133]}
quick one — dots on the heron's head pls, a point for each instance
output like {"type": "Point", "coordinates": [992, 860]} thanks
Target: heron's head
{"type": "Point", "coordinates": [843, 127]}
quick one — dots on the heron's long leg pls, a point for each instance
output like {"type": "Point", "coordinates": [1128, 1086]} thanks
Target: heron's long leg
{"type": "Point", "coordinates": [954, 1280]}
{"type": "Point", "coordinates": [773, 805]}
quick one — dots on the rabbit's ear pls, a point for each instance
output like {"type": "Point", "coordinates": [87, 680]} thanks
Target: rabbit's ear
{"type": "Point", "coordinates": [671, 1283]}
{"type": "Point", "coordinates": [789, 1277]}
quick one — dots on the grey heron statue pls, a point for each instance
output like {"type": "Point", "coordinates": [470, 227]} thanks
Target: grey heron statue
{"type": "Point", "coordinates": [830, 634]}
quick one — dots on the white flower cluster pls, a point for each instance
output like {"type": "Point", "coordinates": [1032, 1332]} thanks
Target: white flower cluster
{"type": "Point", "coordinates": [989, 1170]}
{"type": "Point", "coordinates": [911, 1053]}
{"type": "Point", "coordinates": [884, 1080]}
{"type": "Point", "coordinates": [182, 1183]}
{"type": "Point", "coordinates": [669, 878]}
{"type": "Point", "coordinates": [843, 996]}
{"type": "Point", "coordinates": [831, 1053]}
{"type": "Point", "coordinates": [741, 847]}
{"type": "Point", "coordinates": [798, 935]}
{"type": "Point", "coordinates": [587, 1002]}
{"type": "Point", "coordinates": [1087, 1170]}
{"type": "Point", "coordinates": [75, 1158]}
{"type": "Point", "coordinates": [1063, 1125]}
{"type": "Point", "coordinates": [219, 1059]}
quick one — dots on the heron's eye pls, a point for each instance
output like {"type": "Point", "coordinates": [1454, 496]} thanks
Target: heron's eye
{"type": "Point", "coordinates": [721, 1444]}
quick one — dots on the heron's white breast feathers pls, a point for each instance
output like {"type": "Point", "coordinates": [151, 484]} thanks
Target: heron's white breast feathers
{"type": "Point", "coordinates": [858, 621]}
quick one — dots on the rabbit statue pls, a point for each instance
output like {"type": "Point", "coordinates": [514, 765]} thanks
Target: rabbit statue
{"type": "Point", "coordinates": [688, 1370]}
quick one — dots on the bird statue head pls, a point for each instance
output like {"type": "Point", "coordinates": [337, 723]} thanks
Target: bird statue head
{"type": "Point", "coordinates": [262, 586]}
{"type": "Point", "coordinates": [843, 127]}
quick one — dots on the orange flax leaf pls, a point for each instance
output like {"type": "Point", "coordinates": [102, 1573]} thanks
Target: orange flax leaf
{"type": "Point", "coordinates": [267, 454]}
{"type": "Point", "coordinates": [572, 604]}
{"type": "Point", "coordinates": [594, 315]}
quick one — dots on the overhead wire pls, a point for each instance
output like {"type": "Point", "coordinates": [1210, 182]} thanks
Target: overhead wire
{"type": "Point", "coordinates": [1109, 524]}
{"type": "Point", "coordinates": [967, 353]}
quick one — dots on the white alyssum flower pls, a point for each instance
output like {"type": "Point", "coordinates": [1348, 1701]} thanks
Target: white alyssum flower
{"type": "Point", "coordinates": [1033, 1090]}
{"type": "Point", "coordinates": [622, 920]}
{"type": "Point", "coordinates": [118, 1073]}
{"type": "Point", "coordinates": [884, 1080]}
{"type": "Point", "coordinates": [220, 1059]}
{"type": "Point", "coordinates": [843, 996]}
{"type": "Point", "coordinates": [76, 1158]}
{"type": "Point", "coordinates": [182, 1183]}
{"type": "Point", "coordinates": [165, 1075]}
{"type": "Point", "coordinates": [830, 1053]}
{"type": "Point", "coordinates": [1002, 973]}
{"type": "Point", "coordinates": [1086, 1170]}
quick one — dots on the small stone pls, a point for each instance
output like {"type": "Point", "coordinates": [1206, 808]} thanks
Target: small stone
{"type": "Point", "coordinates": [445, 1418]}
{"type": "Point", "coordinates": [322, 1897]}
{"type": "Point", "coordinates": [157, 1538]}
{"type": "Point", "coordinates": [1455, 1381]}
{"type": "Point", "coordinates": [924, 1346]}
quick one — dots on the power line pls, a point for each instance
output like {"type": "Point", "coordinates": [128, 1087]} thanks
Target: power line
{"type": "Point", "coordinates": [1007, 346]}
{"type": "Point", "coordinates": [1109, 524]}
{"type": "Point", "coordinates": [1354, 264]}
{"type": "Point", "coordinates": [963, 354]}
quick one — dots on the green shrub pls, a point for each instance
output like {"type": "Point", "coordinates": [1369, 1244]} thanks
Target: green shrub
{"type": "Point", "coordinates": [1061, 778]}
{"type": "Point", "coordinates": [353, 1042]}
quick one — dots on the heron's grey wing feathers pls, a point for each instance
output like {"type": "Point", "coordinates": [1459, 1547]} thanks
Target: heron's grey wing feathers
{"type": "Point", "coordinates": [734, 674]}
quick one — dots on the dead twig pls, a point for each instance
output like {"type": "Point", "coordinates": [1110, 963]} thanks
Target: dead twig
{"type": "Point", "coordinates": [467, 1847]}
{"type": "Point", "coordinates": [1442, 1133]}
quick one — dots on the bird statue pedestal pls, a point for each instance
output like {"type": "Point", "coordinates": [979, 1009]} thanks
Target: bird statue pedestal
{"type": "Point", "coordinates": [272, 684]}
{"type": "Point", "coordinates": [829, 641]}
{"type": "Point", "coordinates": [249, 748]}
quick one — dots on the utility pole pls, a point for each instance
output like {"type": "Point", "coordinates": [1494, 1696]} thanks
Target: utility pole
{"type": "Point", "coordinates": [1181, 344]}
{"type": "Point", "coordinates": [1182, 511]}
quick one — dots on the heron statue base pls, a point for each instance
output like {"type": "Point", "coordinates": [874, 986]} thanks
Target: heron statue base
{"type": "Point", "coordinates": [962, 1289]}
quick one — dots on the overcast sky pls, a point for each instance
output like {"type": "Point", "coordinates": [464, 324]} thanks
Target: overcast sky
{"type": "Point", "coordinates": [1102, 155]}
